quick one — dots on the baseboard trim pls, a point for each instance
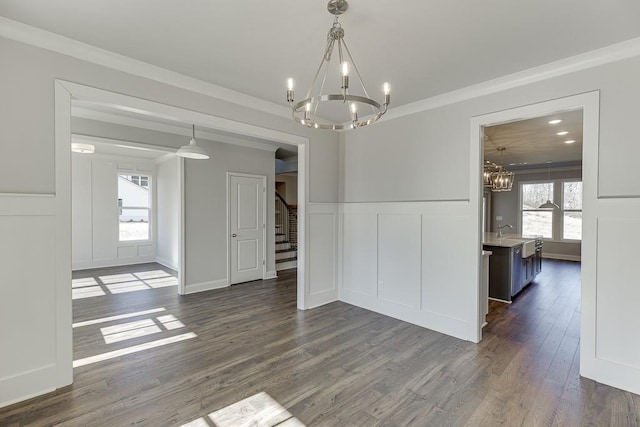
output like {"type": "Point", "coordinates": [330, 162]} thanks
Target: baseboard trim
{"type": "Point", "coordinates": [562, 257]}
{"type": "Point", "coordinates": [166, 263]}
{"type": "Point", "coordinates": [206, 286]}
{"type": "Point", "coordinates": [273, 274]}
{"type": "Point", "coordinates": [88, 265]}
{"type": "Point", "coordinates": [26, 385]}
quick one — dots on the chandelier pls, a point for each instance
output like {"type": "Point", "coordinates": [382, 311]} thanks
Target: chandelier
{"type": "Point", "coordinates": [305, 111]}
{"type": "Point", "coordinates": [496, 176]}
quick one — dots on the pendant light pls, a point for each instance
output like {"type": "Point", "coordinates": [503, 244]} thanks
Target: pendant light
{"type": "Point", "coordinates": [501, 179]}
{"type": "Point", "coordinates": [549, 204]}
{"type": "Point", "coordinates": [193, 150]}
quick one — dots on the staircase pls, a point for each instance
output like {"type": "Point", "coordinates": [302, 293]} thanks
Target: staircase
{"type": "Point", "coordinates": [286, 235]}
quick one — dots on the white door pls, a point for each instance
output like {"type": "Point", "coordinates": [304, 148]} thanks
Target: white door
{"type": "Point", "coordinates": [246, 226]}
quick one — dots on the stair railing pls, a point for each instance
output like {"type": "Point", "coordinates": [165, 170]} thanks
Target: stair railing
{"type": "Point", "coordinates": [282, 216]}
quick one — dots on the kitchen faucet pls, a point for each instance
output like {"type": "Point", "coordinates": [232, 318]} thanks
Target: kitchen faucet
{"type": "Point", "coordinates": [500, 229]}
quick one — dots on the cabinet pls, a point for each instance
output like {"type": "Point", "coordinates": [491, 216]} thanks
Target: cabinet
{"type": "Point", "coordinates": [505, 271]}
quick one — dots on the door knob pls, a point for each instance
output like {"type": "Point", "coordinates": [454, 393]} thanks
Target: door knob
{"type": "Point", "coordinates": [234, 235]}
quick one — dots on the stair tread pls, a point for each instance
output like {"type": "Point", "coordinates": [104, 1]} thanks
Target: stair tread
{"type": "Point", "coordinates": [278, 261]}
{"type": "Point", "coordinates": [279, 251]}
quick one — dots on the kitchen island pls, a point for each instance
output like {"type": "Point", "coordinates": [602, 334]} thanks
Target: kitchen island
{"type": "Point", "coordinates": [515, 262]}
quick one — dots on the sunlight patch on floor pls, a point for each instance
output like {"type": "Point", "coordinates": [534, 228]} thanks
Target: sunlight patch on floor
{"type": "Point", "coordinates": [88, 287]}
{"type": "Point", "coordinates": [118, 317]}
{"type": "Point", "coordinates": [133, 349]}
{"type": "Point", "coordinates": [259, 410]}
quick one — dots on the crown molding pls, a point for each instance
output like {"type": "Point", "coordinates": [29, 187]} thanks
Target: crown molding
{"type": "Point", "coordinates": [54, 42]}
{"type": "Point", "coordinates": [615, 52]}
{"type": "Point", "coordinates": [165, 128]}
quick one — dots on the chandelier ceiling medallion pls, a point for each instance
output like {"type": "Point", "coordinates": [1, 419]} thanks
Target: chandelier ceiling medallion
{"type": "Point", "coordinates": [305, 111]}
{"type": "Point", "coordinates": [496, 176]}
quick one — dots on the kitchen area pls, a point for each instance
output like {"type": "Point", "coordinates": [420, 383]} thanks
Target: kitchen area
{"type": "Point", "coordinates": [532, 202]}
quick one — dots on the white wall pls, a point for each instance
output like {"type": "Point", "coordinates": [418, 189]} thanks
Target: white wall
{"type": "Point", "coordinates": [28, 194]}
{"type": "Point", "coordinates": [168, 213]}
{"type": "Point", "coordinates": [206, 211]}
{"type": "Point", "coordinates": [95, 226]}
{"type": "Point", "coordinates": [426, 156]}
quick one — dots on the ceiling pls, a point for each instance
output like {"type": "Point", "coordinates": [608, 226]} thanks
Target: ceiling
{"type": "Point", "coordinates": [146, 120]}
{"type": "Point", "coordinates": [423, 48]}
{"type": "Point", "coordinates": [534, 142]}
{"type": "Point", "coordinates": [123, 149]}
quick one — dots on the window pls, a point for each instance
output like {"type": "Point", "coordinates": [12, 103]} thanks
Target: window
{"type": "Point", "coordinates": [559, 224]}
{"type": "Point", "coordinates": [537, 221]}
{"type": "Point", "coordinates": [140, 180]}
{"type": "Point", "coordinates": [572, 210]}
{"type": "Point", "coordinates": [134, 207]}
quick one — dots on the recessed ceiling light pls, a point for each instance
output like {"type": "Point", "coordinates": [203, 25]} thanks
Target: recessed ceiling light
{"type": "Point", "coordinates": [79, 147]}
{"type": "Point", "coordinates": [570, 141]}
{"type": "Point", "coordinates": [554, 122]}
{"type": "Point", "coordinates": [564, 132]}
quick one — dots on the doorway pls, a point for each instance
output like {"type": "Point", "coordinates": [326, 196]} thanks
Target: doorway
{"type": "Point", "coordinates": [247, 227]}
{"type": "Point", "coordinates": [65, 92]}
{"type": "Point", "coordinates": [589, 103]}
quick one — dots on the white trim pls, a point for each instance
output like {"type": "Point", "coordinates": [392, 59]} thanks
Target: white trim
{"type": "Point", "coordinates": [182, 288]}
{"type": "Point", "coordinates": [166, 128]}
{"type": "Point", "coordinates": [615, 52]}
{"type": "Point", "coordinates": [206, 286]}
{"type": "Point", "coordinates": [271, 274]}
{"type": "Point", "coordinates": [169, 112]}
{"type": "Point", "coordinates": [77, 137]}
{"type": "Point", "coordinates": [88, 265]}
{"type": "Point", "coordinates": [54, 42]}
{"type": "Point", "coordinates": [589, 102]}
{"type": "Point", "coordinates": [562, 257]}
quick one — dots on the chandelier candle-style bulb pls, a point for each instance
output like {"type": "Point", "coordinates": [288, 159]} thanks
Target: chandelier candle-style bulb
{"type": "Point", "coordinates": [290, 85]}
{"type": "Point", "coordinates": [307, 111]}
{"type": "Point", "coordinates": [354, 111]}
{"type": "Point", "coordinates": [344, 68]}
{"type": "Point", "coordinates": [386, 88]}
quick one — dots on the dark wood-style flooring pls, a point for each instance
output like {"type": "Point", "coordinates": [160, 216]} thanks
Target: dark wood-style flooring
{"type": "Point", "coordinates": [337, 365]}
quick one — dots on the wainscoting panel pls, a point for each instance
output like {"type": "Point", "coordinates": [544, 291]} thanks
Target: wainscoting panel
{"type": "Point", "coordinates": [32, 285]}
{"type": "Point", "coordinates": [360, 247]}
{"type": "Point", "coordinates": [617, 292]}
{"type": "Point", "coordinates": [447, 263]}
{"type": "Point", "coordinates": [412, 261]}
{"type": "Point", "coordinates": [399, 241]}
{"type": "Point", "coordinates": [321, 259]}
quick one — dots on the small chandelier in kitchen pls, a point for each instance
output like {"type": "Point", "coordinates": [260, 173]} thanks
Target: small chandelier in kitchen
{"type": "Point", "coordinates": [501, 179]}
{"type": "Point", "coordinates": [305, 111]}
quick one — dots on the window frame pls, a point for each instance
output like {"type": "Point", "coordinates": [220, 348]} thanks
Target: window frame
{"type": "Point", "coordinates": [557, 215]}
{"type": "Point", "coordinates": [150, 210]}
{"type": "Point", "coordinates": [563, 210]}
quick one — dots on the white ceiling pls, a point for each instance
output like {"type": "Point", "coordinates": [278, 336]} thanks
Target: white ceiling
{"type": "Point", "coordinates": [147, 120]}
{"type": "Point", "coordinates": [423, 48]}
{"type": "Point", "coordinates": [534, 141]}
{"type": "Point", "coordinates": [120, 148]}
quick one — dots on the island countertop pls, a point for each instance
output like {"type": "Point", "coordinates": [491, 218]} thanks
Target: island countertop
{"type": "Point", "coordinates": [507, 241]}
